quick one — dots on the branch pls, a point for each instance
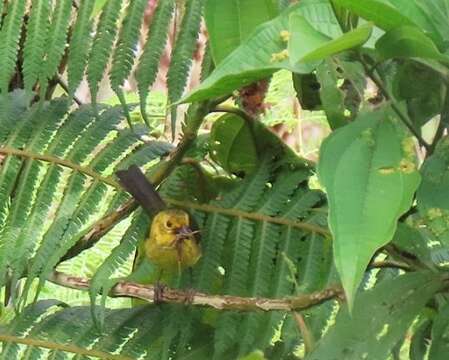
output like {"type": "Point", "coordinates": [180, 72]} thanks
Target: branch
{"type": "Point", "coordinates": [251, 216]}
{"type": "Point", "coordinates": [390, 264]}
{"type": "Point", "coordinates": [236, 111]}
{"type": "Point", "coordinates": [64, 87]}
{"type": "Point", "coordinates": [442, 126]}
{"type": "Point", "coordinates": [390, 98]}
{"type": "Point", "coordinates": [220, 302]}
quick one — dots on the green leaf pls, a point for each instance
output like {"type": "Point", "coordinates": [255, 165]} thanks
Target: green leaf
{"type": "Point", "coordinates": [332, 97]}
{"type": "Point", "coordinates": [123, 58]}
{"type": "Point", "coordinates": [381, 14]}
{"type": "Point", "coordinates": [379, 319]}
{"type": "Point", "coordinates": [154, 46]}
{"type": "Point", "coordinates": [232, 144]}
{"type": "Point", "coordinates": [264, 52]}
{"type": "Point", "coordinates": [102, 44]}
{"type": "Point", "coordinates": [440, 331]}
{"type": "Point", "coordinates": [9, 41]}
{"type": "Point", "coordinates": [230, 22]}
{"type": "Point", "coordinates": [306, 44]}
{"type": "Point", "coordinates": [406, 42]}
{"type": "Point", "coordinates": [181, 56]}
{"type": "Point", "coordinates": [368, 170]}
{"type": "Point", "coordinates": [420, 340]}
{"type": "Point", "coordinates": [56, 43]}
{"type": "Point", "coordinates": [34, 49]}
{"type": "Point", "coordinates": [434, 189]}
{"type": "Point", "coordinates": [425, 15]}
{"type": "Point", "coordinates": [80, 44]}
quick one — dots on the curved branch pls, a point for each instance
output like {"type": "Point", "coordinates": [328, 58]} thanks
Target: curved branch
{"type": "Point", "coordinates": [220, 302]}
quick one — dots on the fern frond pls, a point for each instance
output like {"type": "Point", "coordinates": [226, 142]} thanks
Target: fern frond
{"type": "Point", "coordinates": [21, 325]}
{"type": "Point", "coordinates": [123, 58]}
{"type": "Point", "coordinates": [130, 334]}
{"type": "Point", "coordinates": [80, 44]}
{"type": "Point", "coordinates": [181, 58]}
{"type": "Point", "coordinates": [102, 44]}
{"type": "Point", "coordinates": [50, 118]}
{"type": "Point", "coordinates": [56, 41]}
{"type": "Point", "coordinates": [154, 46]}
{"type": "Point", "coordinates": [36, 36]}
{"type": "Point", "coordinates": [9, 41]}
{"type": "Point", "coordinates": [61, 228]}
{"type": "Point", "coordinates": [119, 255]}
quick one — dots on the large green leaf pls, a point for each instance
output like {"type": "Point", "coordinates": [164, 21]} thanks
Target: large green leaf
{"type": "Point", "coordinates": [383, 15]}
{"type": "Point", "coordinates": [232, 144]}
{"type": "Point", "coordinates": [265, 51]}
{"type": "Point", "coordinates": [230, 22]}
{"type": "Point", "coordinates": [379, 319]}
{"type": "Point", "coordinates": [306, 44]}
{"type": "Point", "coordinates": [429, 15]}
{"type": "Point", "coordinates": [370, 176]}
{"type": "Point", "coordinates": [408, 41]}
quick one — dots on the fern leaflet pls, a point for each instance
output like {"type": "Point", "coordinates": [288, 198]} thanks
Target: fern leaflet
{"type": "Point", "coordinates": [102, 44]}
{"type": "Point", "coordinates": [181, 58]}
{"type": "Point", "coordinates": [34, 48]}
{"type": "Point", "coordinates": [80, 44]}
{"type": "Point", "coordinates": [9, 42]}
{"type": "Point", "coordinates": [154, 46]}
{"type": "Point", "coordinates": [56, 42]}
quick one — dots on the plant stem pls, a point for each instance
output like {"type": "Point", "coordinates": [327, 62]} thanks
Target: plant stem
{"type": "Point", "coordinates": [220, 302]}
{"type": "Point", "coordinates": [251, 216]}
{"type": "Point", "coordinates": [307, 336]}
{"type": "Point", "coordinates": [405, 120]}
{"type": "Point", "coordinates": [443, 125]}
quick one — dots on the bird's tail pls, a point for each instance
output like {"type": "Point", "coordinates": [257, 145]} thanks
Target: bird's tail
{"type": "Point", "coordinates": [135, 182]}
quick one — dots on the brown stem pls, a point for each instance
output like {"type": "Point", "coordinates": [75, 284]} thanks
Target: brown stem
{"type": "Point", "coordinates": [220, 302]}
{"type": "Point", "coordinates": [393, 104]}
{"type": "Point", "coordinates": [307, 336]}
{"type": "Point", "coordinates": [64, 87]}
{"type": "Point", "coordinates": [390, 264]}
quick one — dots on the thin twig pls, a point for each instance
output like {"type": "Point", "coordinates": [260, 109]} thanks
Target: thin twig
{"type": "Point", "coordinates": [65, 87]}
{"type": "Point", "coordinates": [251, 216]}
{"type": "Point", "coordinates": [442, 126]}
{"type": "Point", "coordinates": [307, 336]}
{"type": "Point", "coordinates": [390, 264]}
{"type": "Point", "coordinates": [233, 110]}
{"type": "Point", "coordinates": [393, 105]}
{"type": "Point", "coordinates": [220, 302]}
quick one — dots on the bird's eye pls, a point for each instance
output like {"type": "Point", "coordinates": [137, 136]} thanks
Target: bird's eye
{"type": "Point", "coordinates": [168, 224]}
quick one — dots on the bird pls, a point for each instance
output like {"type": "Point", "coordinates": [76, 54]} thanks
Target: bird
{"type": "Point", "coordinates": [172, 244]}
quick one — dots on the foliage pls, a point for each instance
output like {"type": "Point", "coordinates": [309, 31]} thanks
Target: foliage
{"type": "Point", "coordinates": [374, 234]}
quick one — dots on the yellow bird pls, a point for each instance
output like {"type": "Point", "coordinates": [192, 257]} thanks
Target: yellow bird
{"type": "Point", "coordinates": [171, 244]}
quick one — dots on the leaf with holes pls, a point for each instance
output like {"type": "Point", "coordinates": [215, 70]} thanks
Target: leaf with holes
{"type": "Point", "coordinates": [368, 170]}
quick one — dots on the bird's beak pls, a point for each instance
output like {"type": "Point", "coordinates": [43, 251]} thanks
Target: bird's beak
{"type": "Point", "coordinates": [183, 230]}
